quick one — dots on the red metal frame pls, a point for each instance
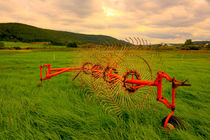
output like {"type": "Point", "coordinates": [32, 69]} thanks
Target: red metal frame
{"type": "Point", "coordinates": [140, 83]}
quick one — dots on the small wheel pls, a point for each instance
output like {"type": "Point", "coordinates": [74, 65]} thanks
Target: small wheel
{"type": "Point", "coordinates": [173, 122]}
{"type": "Point", "coordinates": [86, 67]}
{"type": "Point", "coordinates": [109, 70]}
{"type": "Point", "coordinates": [130, 87]}
{"type": "Point", "coordinates": [96, 71]}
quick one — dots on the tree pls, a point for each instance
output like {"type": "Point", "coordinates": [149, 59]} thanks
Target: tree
{"type": "Point", "coordinates": [208, 45]}
{"type": "Point", "coordinates": [1, 45]}
{"type": "Point", "coordinates": [72, 44]}
{"type": "Point", "coordinates": [188, 42]}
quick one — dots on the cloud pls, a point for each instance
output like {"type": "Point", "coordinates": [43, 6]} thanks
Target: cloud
{"type": "Point", "coordinates": [156, 20]}
{"type": "Point", "coordinates": [119, 26]}
{"type": "Point", "coordinates": [81, 8]}
{"type": "Point", "coordinates": [167, 35]}
{"type": "Point", "coordinates": [179, 13]}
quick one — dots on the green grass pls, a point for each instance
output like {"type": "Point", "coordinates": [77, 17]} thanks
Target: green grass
{"type": "Point", "coordinates": [59, 109]}
{"type": "Point", "coordinates": [22, 45]}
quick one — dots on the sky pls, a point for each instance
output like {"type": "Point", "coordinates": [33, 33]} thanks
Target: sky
{"type": "Point", "coordinates": [158, 21]}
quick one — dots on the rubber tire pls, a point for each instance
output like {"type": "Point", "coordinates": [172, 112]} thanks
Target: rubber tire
{"type": "Point", "coordinates": [176, 122]}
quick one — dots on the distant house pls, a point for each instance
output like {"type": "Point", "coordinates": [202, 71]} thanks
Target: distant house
{"type": "Point", "coordinates": [164, 44]}
{"type": "Point", "coordinates": [206, 44]}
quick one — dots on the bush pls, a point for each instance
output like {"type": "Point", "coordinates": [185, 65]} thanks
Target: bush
{"type": "Point", "coordinates": [1, 45]}
{"type": "Point", "coordinates": [191, 47]}
{"type": "Point", "coordinates": [72, 45]}
{"type": "Point", "coordinates": [17, 48]}
{"type": "Point", "coordinates": [208, 46]}
{"type": "Point", "coordinates": [57, 43]}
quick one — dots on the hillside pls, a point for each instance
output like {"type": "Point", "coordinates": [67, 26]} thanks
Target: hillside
{"type": "Point", "coordinates": [200, 42]}
{"type": "Point", "coordinates": [27, 33]}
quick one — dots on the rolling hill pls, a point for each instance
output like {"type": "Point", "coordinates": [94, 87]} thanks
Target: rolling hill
{"type": "Point", "coordinates": [27, 33]}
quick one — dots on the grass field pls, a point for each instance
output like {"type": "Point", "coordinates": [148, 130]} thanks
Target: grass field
{"type": "Point", "coordinates": [58, 109]}
{"type": "Point", "coordinates": [36, 45]}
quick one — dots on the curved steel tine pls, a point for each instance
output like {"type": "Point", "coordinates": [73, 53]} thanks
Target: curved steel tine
{"type": "Point", "coordinates": [139, 41]}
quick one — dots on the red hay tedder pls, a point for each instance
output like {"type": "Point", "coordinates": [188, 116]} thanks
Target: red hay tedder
{"type": "Point", "coordinates": [130, 85]}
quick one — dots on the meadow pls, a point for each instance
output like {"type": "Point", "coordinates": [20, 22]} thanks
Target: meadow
{"type": "Point", "coordinates": [59, 110]}
{"type": "Point", "coordinates": [35, 45]}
